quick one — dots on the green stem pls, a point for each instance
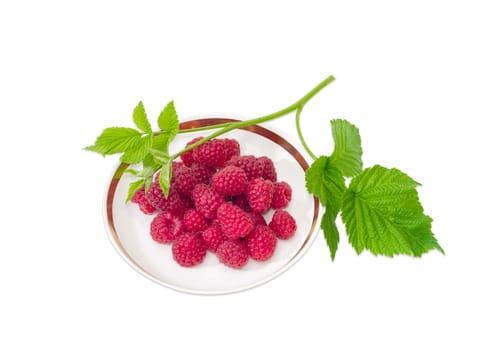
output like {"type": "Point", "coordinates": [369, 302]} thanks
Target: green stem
{"type": "Point", "coordinates": [300, 135]}
{"type": "Point", "coordinates": [226, 127]}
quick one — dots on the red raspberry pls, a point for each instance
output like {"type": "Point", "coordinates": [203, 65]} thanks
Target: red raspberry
{"type": "Point", "coordinates": [232, 148]}
{"type": "Point", "coordinates": [176, 203]}
{"type": "Point", "coordinates": [235, 222]}
{"type": "Point", "coordinates": [211, 153]}
{"type": "Point", "coordinates": [189, 250]}
{"type": "Point", "coordinates": [269, 172]}
{"type": "Point", "coordinates": [206, 200]}
{"type": "Point", "coordinates": [194, 221]}
{"type": "Point", "coordinates": [185, 181]}
{"type": "Point", "coordinates": [166, 227]}
{"type": "Point", "coordinates": [202, 172]}
{"type": "Point", "coordinates": [261, 243]}
{"type": "Point", "coordinates": [259, 195]}
{"type": "Point", "coordinates": [282, 194]}
{"type": "Point", "coordinates": [187, 157]}
{"type": "Point", "coordinates": [140, 199]}
{"type": "Point", "coordinates": [230, 181]}
{"type": "Point", "coordinates": [213, 237]}
{"type": "Point", "coordinates": [233, 253]}
{"type": "Point", "coordinates": [155, 196]}
{"type": "Point", "coordinates": [257, 218]}
{"type": "Point", "coordinates": [252, 166]}
{"type": "Point", "coordinates": [283, 224]}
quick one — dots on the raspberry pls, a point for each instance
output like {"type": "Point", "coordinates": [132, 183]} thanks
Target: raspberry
{"type": "Point", "coordinates": [259, 195]}
{"type": "Point", "coordinates": [235, 222]}
{"type": "Point", "coordinates": [194, 221]}
{"type": "Point", "coordinates": [213, 237]}
{"type": "Point", "coordinates": [155, 196]}
{"type": "Point", "coordinates": [189, 250]}
{"type": "Point", "coordinates": [206, 200]}
{"type": "Point", "coordinates": [202, 172]}
{"type": "Point", "coordinates": [230, 181]}
{"type": "Point", "coordinates": [176, 203]}
{"type": "Point", "coordinates": [211, 153]}
{"type": "Point", "coordinates": [140, 199]}
{"type": "Point", "coordinates": [184, 181]}
{"type": "Point", "coordinates": [269, 172]}
{"type": "Point", "coordinates": [257, 218]}
{"type": "Point", "coordinates": [251, 165]}
{"type": "Point", "coordinates": [261, 243]}
{"type": "Point", "coordinates": [283, 224]}
{"type": "Point", "coordinates": [187, 157]}
{"type": "Point", "coordinates": [166, 227]}
{"type": "Point", "coordinates": [282, 194]}
{"type": "Point", "coordinates": [232, 148]}
{"type": "Point", "coordinates": [233, 253]}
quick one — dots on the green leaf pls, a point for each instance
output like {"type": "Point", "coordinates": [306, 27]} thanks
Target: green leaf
{"type": "Point", "coordinates": [165, 178]}
{"type": "Point", "coordinates": [347, 153]}
{"type": "Point", "coordinates": [147, 183]}
{"type": "Point", "coordinates": [330, 231]}
{"type": "Point", "coordinates": [168, 120]}
{"type": "Point", "coordinates": [326, 182]}
{"type": "Point", "coordinates": [138, 153]}
{"type": "Point", "coordinates": [116, 140]}
{"type": "Point", "coordinates": [382, 213]}
{"type": "Point", "coordinates": [140, 118]}
{"type": "Point", "coordinates": [133, 187]}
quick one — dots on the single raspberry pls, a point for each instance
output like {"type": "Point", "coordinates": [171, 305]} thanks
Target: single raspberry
{"type": "Point", "coordinates": [211, 153]}
{"type": "Point", "coordinates": [241, 202]}
{"type": "Point", "coordinates": [166, 227]}
{"type": "Point", "coordinates": [206, 200]}
{"type": "Point", "coordinates": [176, 203]}
{"type": "Point", "coordinates": [261, 243]}
{"type": "Point", "coordinates": [282, 193]}
{"type": "Point", "coordinates": [194, 221]}
{"type": "Point", "coordinates": [259, 194]}
{"type": "Point", "coordinates": [233, 253]}
{"type": "Point", "coordinates": [202, 172]}
{"type": "Point", "coordinates": [232, 148]}
{"type": "Point", "coordinates": [189, 250]}
{"type": "Point", "coordinates": [187, 157]}
{"type": "Point", "coordinates": [252, 166]}
{"type": "Point", "coordinates": [184, 181]}
{"type": "Point", "coordinates": [156, 197]}
{"type": "Point", "coordinates": [269, 172]}
{"type": "Point", "coordinates": [283, 224]}
{"type": "Point", "coordinates": [235, 222]}
{"type": "Point", "coordinates": [213, 237]}
{"type": "Point", "coordinates": [140, 199]}
{"type": "Point", "coordinates": [257, 218]}
{"type": "Point", "coordinates": [230, 181]}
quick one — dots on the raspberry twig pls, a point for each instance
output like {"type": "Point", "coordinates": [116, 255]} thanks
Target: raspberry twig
{"type": "Point", "coordinates": [227, 127]}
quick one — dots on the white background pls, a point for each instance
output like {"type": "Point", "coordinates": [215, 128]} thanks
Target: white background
{"type": "Point", "coordinates": [406, 76]}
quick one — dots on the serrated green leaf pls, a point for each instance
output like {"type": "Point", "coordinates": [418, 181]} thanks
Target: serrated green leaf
{"type": "Point", "coordinates": [330, 231]}
{"type": "Point", "coordinates": [347, 153]}
{"type": "Point", "coordinates": [139, 152]}
{"type": "Point", "coordinates": [133, 187]}
{"type": "Point", "coordinates": [382, 213]}
{"type": "Point", "coordinates": [140, 118]}
{"type": "Point", "coordinates": [160, 142]}
{"type": "Point", "coordinates": [326, 182]}
{"type": "Point", "coordinates": [165, 178]}
{"type": "Point", "coordinates": [116, 140]}
{"type": "Point", "coordinates": [168, 121]}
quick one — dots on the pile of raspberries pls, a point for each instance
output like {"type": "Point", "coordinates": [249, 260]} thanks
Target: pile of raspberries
{"type": "Point", "coordinates": [216, 202]}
